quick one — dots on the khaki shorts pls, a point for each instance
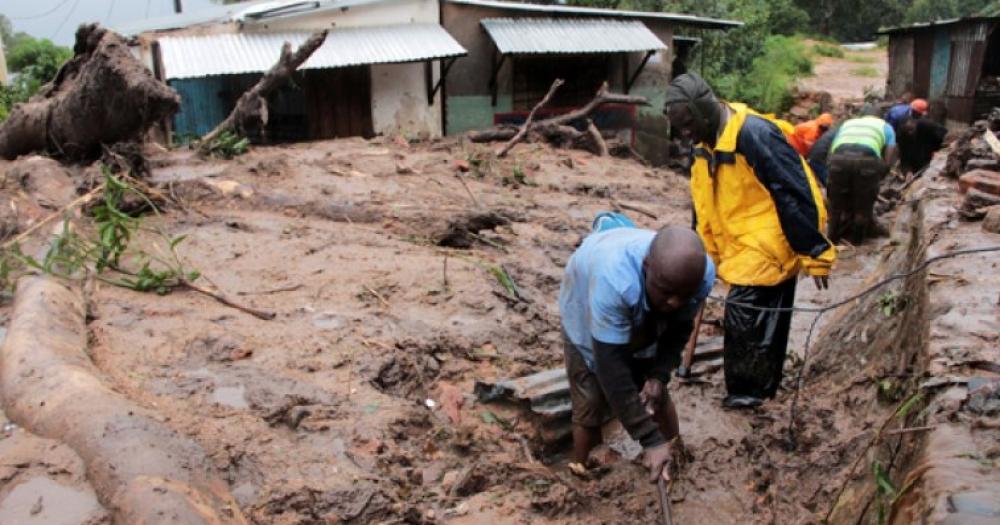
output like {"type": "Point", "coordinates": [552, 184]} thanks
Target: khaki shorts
{"type": "Point", "coordinates": [590, 407]}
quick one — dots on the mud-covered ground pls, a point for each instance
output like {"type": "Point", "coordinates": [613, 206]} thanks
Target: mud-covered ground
{"type": "Point", "coordinates": [355, 403]}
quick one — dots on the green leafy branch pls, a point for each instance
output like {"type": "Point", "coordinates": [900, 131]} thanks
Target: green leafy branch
{"type": "Point", "coordinates": [104, 254]}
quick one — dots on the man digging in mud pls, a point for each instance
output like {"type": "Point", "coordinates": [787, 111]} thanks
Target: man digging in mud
{"type": "Point", "coordinates": [761, 215]}
{"type": "Point", "coordinates": [628, 301]}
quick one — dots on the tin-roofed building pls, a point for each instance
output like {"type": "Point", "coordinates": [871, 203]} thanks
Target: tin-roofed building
{"type": "Point", "coordinates": [378, 72]}
{"type": "Point", "coordinates": [953, 63]}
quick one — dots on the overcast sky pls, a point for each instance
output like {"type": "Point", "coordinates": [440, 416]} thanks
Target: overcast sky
{"type": "Point", "coordinates": [57, 20]}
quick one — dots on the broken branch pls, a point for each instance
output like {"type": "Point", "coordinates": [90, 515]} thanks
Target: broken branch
{"type": "Point", "coordinates": [253, 103]}
{"type": "Point", "coordinates": [631, 207]}
{"type": "Point", "coordinates": [531, 117]}
{"type": "Point", "coordinates": [259, 314]}
{"type": "Point", "coordinates": [558, 130]}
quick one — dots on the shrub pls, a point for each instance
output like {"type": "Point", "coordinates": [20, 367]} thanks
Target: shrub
{"type": "Point", "coordinates": [828, 50]}
{"type": "Point", "coordinates": [767, 86]}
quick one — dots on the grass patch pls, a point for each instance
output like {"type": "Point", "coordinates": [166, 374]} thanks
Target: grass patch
{"type": "Point", "coordinates": [865, 71]}
{"type": "Point", "coordinates": [828, 50]}
{"type": "Point", "coordinates": [861, 59]}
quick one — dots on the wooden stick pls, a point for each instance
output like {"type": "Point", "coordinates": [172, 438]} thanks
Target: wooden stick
{"type": "Point", "coordinates": [444, 273]}
{"type": "Point", "coordinates": [685, 369]}
{"type": "Point", "coordinates": [467, 190]}
{"type": "Point", "coordinates": [377, 296]}
{"type": "Point", "coordinates": [595, 136]}
{"type": "Point", "coordinates": [531, 117]}
{"type": "Point", "coordinates": [259, 314]}
{"type": "Point", "coordinates": [290, 288]}
{"type": "Point", "coordinates": [632, 207]}
{"type": "Point", "coordinates": [899, 431]}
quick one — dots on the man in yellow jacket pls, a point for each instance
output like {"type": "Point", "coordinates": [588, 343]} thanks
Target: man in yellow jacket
{"type": "Point", "coordinates": [761, 215]}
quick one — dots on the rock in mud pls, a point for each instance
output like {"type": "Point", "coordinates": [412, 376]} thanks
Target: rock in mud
{"type": "Point", "coordinates": [406, 375]}
{"type": "Point", "coordinates": [463, 232]}
{"type": "Point", "coordinates": [991, 222]}
{"type": "Point", "coordinates": [47, 181]}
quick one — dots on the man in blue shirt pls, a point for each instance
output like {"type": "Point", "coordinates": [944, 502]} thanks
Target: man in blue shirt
{"type": "Point", "coordinates": [628, 301]}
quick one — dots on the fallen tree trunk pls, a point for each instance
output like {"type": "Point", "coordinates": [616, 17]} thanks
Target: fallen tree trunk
{"type": "Point", "coordinates": [558, 129]}
{"type": "Point", "coordinates": [252, 105]}
{"type": "Point", "coordinates": [141, 469]}
{"type": "Point", "coordinates": [103, 95]}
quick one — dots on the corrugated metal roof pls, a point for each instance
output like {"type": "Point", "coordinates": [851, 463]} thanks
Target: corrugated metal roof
{"type": "Point", "coordinates": [570, 35]}
{"type": "Point", "coordinates": [234, 53]}
{"type": "Point", "coordinates": [934, 24]}
{"type": "Point", "coordinates": [254, 10]}
{"type": "Point", "coordinates": [689, 20]}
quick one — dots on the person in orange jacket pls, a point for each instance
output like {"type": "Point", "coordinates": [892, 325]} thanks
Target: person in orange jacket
{"type": "Point", "coordinates": [807, 133]}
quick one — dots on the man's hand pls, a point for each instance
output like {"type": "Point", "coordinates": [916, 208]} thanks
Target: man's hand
{"type": "Point", "coordinates": [651, 394]}
{"type": "Point", "coordinates": [822, 282]}
{"type": "Point", "coordinates": [657, 460]}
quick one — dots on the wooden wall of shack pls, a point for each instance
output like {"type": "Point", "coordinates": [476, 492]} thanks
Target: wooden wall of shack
{"type": "Point", "coordinates": [945, 64]}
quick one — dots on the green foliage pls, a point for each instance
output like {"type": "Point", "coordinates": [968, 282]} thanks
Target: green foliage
{"type": "Point", "coordinates": [73, 254]}
{"type": "Point", "coordinates": [828, 50]}
{"type": "Point", "coordinates": [861, 59]}
{"type": "Point", "coordinates": [35, 61]}
{"type": "Point", "coordinates": [767, 85]}
{"type": "Point", "coordinates": [885, 491]}
{"type": "Point", "coordinates": [865, 71]}
{"type": "Point", "coordinates": [228, 145]}
{"type": "Point", "coordinates": [928, 10]}
{"type": "Point", "coordinates": [891, 303]}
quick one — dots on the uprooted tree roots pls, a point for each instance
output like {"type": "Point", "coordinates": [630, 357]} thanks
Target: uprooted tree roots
{"type": "Point", "coordinates": [103, 95]}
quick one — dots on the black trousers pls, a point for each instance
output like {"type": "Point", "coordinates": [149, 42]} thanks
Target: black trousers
{"type": "Point", "coordinates": [756, 341]}
{"type": "Point", "coordinates": [852, 190]}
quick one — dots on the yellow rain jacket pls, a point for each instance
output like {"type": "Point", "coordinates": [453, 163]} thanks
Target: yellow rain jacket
{"type": "Point", "coordinates": [757, 205]}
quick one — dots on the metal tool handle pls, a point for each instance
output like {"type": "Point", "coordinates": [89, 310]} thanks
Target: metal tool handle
{"type": "Point", "coordinates": [664, 491]}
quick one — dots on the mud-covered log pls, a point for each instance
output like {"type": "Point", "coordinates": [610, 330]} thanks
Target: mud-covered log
{"type": "Point", "coordinates": [252, 105]}
{"type": "Point", "coordinates": [141, 469]}
{"type": "Point", "coordinates": [103, 95]}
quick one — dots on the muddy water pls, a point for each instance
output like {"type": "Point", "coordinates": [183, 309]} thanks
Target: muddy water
{"type": "Point", "coordinates": [41, 501]}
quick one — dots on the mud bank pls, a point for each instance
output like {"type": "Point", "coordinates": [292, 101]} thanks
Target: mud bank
{"type": "Point", "coordinates": [954, 476]}
{"type": "Point", "coordinates": [140, 469]}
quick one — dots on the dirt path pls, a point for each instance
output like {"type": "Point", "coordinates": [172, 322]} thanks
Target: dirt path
{"type": "Point", "coordinates": [849, 77]}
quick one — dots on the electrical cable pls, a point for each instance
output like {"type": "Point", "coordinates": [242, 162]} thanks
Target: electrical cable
{"type": "Point", "coordinates": [107, 19]}
{"type": "Point", "coordinates": [42, 15]}
{"type": "Point", "coordinates": [68, 15]}
{"type": "Point", "coordinates": [819, 311]}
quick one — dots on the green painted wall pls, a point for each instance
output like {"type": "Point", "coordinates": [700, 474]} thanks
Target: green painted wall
{"type": "Point", "coordinates": [474, 112]}
{"type": "Point", "coordinates": [656, 97]}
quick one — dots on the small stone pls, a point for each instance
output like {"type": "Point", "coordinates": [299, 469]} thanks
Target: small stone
{"type": "Point", "coordinates": [462, 165]}
{"type": "Point", "coordinates": [449, 479]}
{"type": "Point", "coordinates": [991, 223]}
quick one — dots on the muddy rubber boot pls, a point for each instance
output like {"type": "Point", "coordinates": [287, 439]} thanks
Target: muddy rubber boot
{"type": "Point", "coordinates": [742, 402]}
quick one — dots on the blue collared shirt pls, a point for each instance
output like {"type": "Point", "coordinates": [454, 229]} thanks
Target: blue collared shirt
{"type": "Point", "coordinates": [603, 294]}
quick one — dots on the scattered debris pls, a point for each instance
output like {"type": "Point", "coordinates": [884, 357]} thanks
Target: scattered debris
{"type": "Point", "coordinates": [562, 130]}
{"type": "Point", "coordinates": [464, 231]}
